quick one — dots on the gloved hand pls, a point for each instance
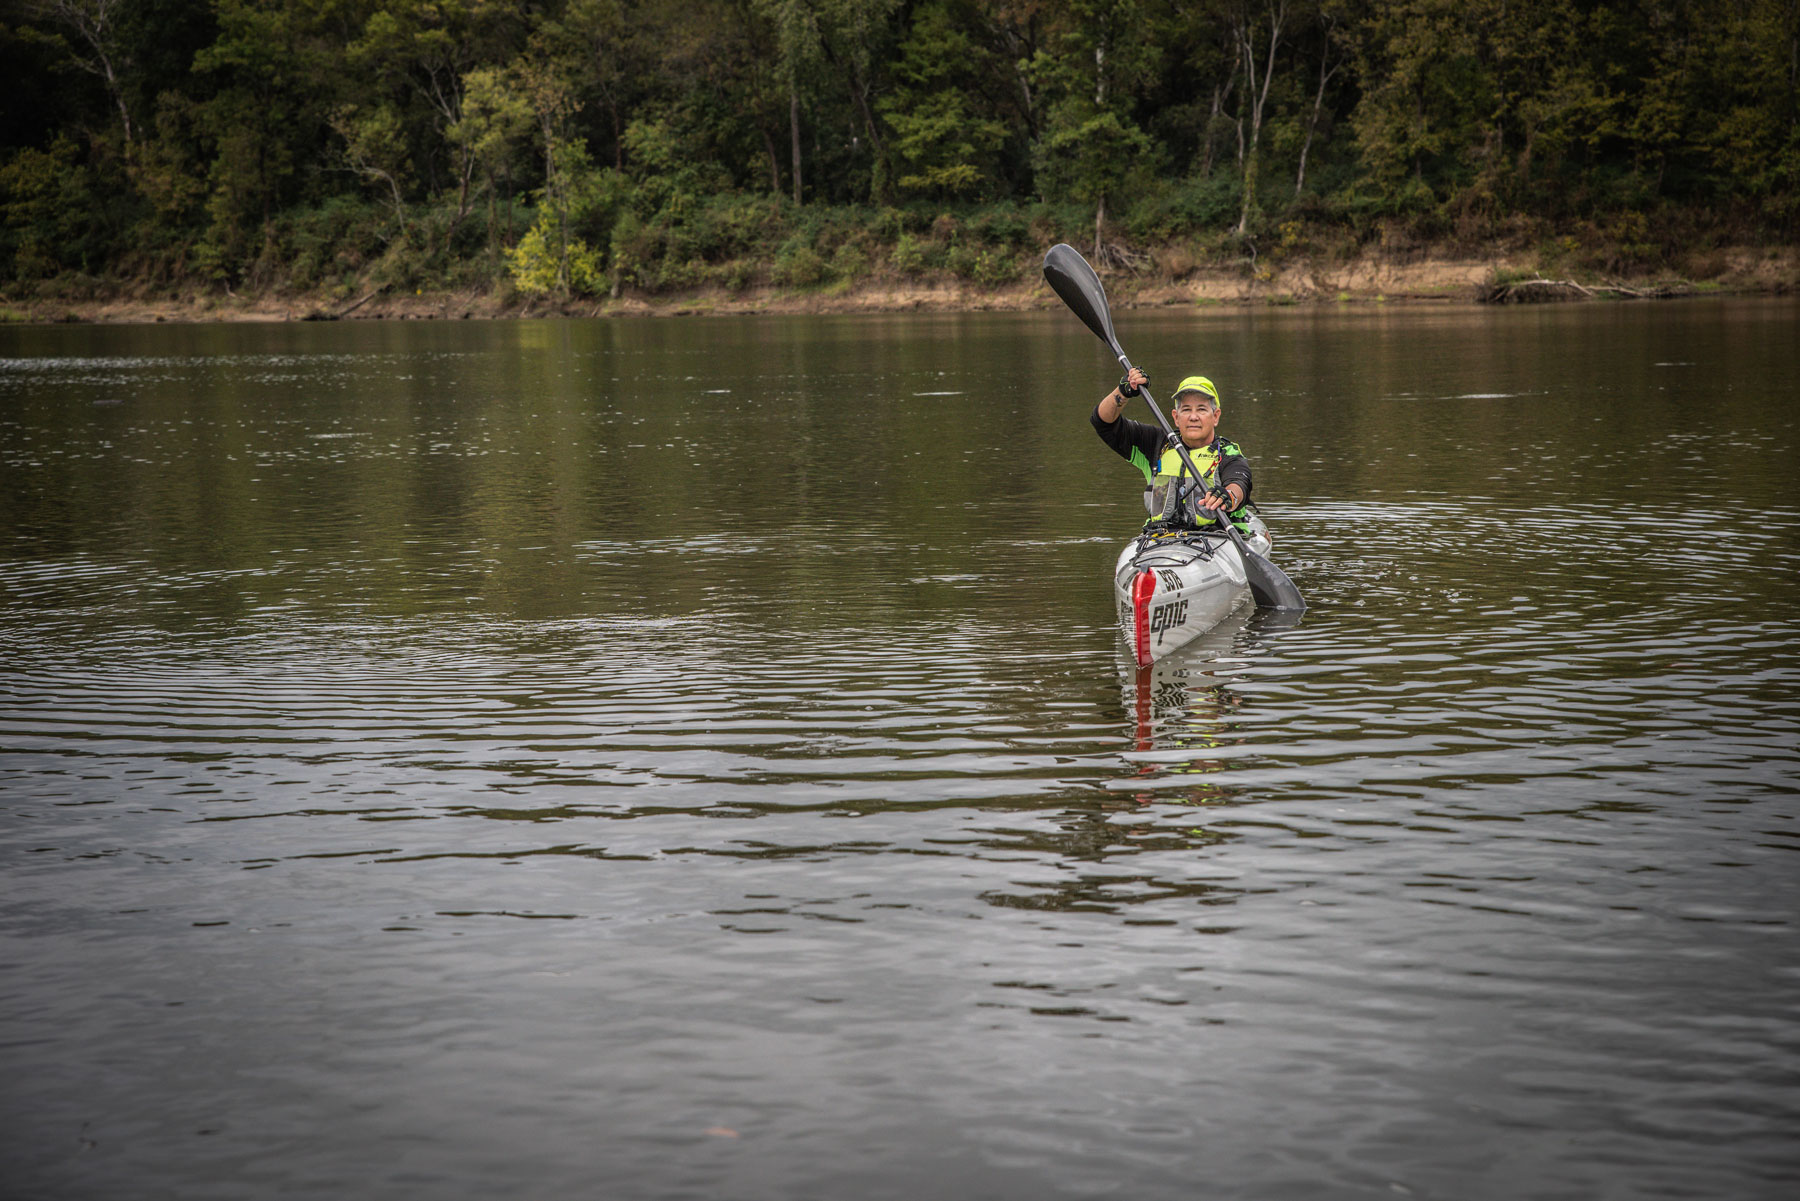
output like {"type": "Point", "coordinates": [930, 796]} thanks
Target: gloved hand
{"type": "Point", "coordinates": [1221, 496]}
{"type": "Point", "coordinates": [1132, 382]}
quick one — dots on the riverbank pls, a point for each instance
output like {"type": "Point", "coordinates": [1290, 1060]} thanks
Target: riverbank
{"type": "Point", "coordinates": [1377, 278]}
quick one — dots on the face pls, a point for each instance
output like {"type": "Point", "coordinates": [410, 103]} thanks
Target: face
{"type": "Point", "coordinates": [1196, 417]}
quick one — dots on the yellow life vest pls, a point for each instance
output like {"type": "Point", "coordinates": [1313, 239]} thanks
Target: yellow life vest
{"type": "Point", "coordinates": [1165, 494]}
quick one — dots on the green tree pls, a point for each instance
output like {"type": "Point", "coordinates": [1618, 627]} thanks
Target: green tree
{"type": "Point", "coordinates": [817, 42]}
{"type": "Point", "coordinates": [553, 256]}
{"type": "Point", "coordinates": [945, 144]}
{"type": "Point", "coordinates": [602, 40]}
{"type": "Point", "coordinates": [856, 36]}
{"type": "Point", "coordinates": [494, 125]}
{"type": "Point", "coordinates": [1091, 146]}
{"type": "Point", "coordinates": [1752, 142]}
{"type": "Point", "coordinates": [98, 48]}
{"type": "Point", "coordinates": [1331, 58]}
{"type": "Point", "coordinates": [422, 50]}
{"type": "Point", "coordinates": [1425, 92]}
{"type": "Point", "coordinates": [46, 197]}
{"type": "Point", "coordinates": [277, 74]}
{"type": "Point", "coordinates": [796, 28]}
{"type": "Point", "coordinates": [375, 150]}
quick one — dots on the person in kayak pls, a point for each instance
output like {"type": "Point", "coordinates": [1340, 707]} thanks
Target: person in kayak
{"type": "Point", "coordinates": [1195, 411]}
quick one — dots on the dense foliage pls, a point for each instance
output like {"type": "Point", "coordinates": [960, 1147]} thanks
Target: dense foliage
{"type": "Point", "coordinates": [581, 146]}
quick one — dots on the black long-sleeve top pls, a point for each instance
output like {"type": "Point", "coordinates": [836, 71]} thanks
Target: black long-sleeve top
{"type": "Point", "coordinates": [1142, 445]}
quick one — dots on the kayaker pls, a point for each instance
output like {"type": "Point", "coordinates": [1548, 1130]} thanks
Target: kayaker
{"type": "Point", "coordinates": [1195, 411]}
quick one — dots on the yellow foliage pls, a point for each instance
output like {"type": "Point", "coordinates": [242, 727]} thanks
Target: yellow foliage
{"type": "Point", "coordinates": [539, 264]}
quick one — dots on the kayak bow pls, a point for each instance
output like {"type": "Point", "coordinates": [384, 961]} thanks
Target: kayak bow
{"type": "Point", "coordinates": [1171, 587]}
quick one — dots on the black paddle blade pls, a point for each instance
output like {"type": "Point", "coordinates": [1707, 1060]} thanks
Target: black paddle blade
{"type": "Point", "coordinates": [1270, 586]}
{"type": "Point", "coordinates": [1070, 277]}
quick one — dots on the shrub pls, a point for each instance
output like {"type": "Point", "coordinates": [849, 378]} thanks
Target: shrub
{"type": "Point", "coordinates": [537, 265]}
{"type": "Point", "coordinates": [1184, 207]}
{"type": "Point", "coordinates": [738, 274]}
{"type": "Point", "coordinates": [962, 261]}
{"type": "Point", "coordinates": [849, 262]}
{"type": "Point", "coordinates": [908, 256]}
{"type": "Point", "coordinates": [993, 269]}
{"type": "Point", "coordinates": [1003, 225]}
{"type": "Point", "coordinates": [798, 265]}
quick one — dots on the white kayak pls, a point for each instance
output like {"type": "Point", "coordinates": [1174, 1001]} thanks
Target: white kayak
{"type": "Point", "coordinates": [1171, 587]}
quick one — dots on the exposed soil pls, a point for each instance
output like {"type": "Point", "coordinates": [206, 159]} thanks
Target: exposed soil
{"type": "Point", "coordinates": [1371, 279]}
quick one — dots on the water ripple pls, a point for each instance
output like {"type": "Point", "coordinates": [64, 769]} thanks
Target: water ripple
{"type": "Point", "coordinates": [435, 739]}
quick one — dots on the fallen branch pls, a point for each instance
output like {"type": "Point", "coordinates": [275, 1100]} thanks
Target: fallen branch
{"type": "Point", "coordinates": [1114, 254]}
{"type": "Point", "coordinates": [359, 304]}
{"type": "Point", "coordinates": [322, 315]}
{"type": "Point", "coordinates": [1530, 291]}
{"type": "Point", "coordinates": [1533, 291]}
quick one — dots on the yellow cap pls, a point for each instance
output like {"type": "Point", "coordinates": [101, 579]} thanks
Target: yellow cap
{"type": "Point", "coordinates": [1198, 383]}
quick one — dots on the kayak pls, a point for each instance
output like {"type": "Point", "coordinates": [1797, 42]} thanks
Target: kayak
{"type": "Point", "coordinates": [1174, 585]}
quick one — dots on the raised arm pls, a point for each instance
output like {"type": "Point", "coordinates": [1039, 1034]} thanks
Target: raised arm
{"type": "Point", "coordinates": [1113, 403]}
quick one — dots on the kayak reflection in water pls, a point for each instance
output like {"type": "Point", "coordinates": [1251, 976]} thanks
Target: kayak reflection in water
{"type": "Point", "coordinates": [1173, 499]}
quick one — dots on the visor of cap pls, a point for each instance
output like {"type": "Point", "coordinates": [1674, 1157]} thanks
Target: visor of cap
{"type": "Point", "coordinates": [1197, 383]}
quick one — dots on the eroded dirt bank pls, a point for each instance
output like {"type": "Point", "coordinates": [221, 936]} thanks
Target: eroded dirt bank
{"type": "Point", "coordinates": [1374, 279]}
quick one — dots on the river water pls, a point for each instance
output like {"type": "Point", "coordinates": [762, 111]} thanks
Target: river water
{"type": "Point", "coordinates": [694, 759]}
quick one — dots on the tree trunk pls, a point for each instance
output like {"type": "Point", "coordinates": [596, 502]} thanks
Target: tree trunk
{"type": "Point", "coordinates": [1099, 222]}
{"type": "Point", "coordinates": [462, 199]}
{"type": "Point", "coordinates": [1249, 208]}
{"type": "Point", "coordinates": [94, 24]}
{"type": "Point", "coordinates": [1277, 20]}
{"type": "Point", "coordinates": [882, 171]}
{"type": "Point", "coordinates": [794, 132]}
{"type": "Point", "coordinates": [553, 196]}
{"type": "Point", "coordinates": [1312, 123]}
{"type": "Point", "coordinates": [1206, 138]}
{"type": "Point", "coordinates": [506, 239]}
{"type": "Point", "coordinates": [774, 158]}
{"type": "Point", "coordinates": [1242, 51]}
{"type": "Point", "coordinates": [1305, 147]}
{"type": "Point", "coordinates": [1221, 93]}
{"type": "Point", "coordinates": [124, 112]}
{"type": "Point", "coordinates": [1021, 44]}
{"type": "Point", "coordinates": [859, 93]}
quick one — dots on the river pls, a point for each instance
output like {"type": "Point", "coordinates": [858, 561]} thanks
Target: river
{"type": "Point", "coordinates": [680, 758]}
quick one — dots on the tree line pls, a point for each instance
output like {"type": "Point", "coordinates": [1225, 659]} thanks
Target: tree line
{"type": "Point", "coordinates": [586, 146]}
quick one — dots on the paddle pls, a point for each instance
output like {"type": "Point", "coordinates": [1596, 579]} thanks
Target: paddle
{"type": "Point", "coordinates": [1071, 278]}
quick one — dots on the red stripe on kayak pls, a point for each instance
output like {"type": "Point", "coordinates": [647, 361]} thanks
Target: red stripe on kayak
{"type": "Point", "coordinates": [1142, 589]}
